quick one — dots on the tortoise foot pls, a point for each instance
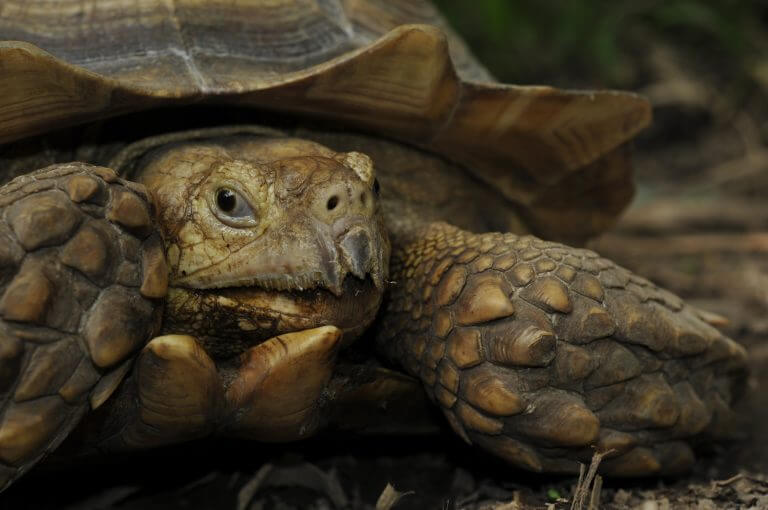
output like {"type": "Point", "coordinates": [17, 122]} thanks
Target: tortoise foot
{"type": "Point", "coordinates": [277, 391]}
{"type": "Point", "coordinates": [178, 393]}
{"type": "Point", "coordinates": [543, 354]}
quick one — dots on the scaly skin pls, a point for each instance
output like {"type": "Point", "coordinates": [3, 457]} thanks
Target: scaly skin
{"type": "Point", "coordinates": [81, 271]}
{"type": "Point", "coordinates": [539, 352]}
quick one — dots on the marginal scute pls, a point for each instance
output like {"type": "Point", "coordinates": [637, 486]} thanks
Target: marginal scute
{"type": "Point", "coordinates": [28, 296]}
{"type": "Point", "coordinates": [548, 293]}
{"type": "Point", "coordinates": [128, 210]}
{"type": "Point", "coordinates": [87, 252]}
{"type": "Point", "coordinates": [483, 300]}
{"type": "Point", "coordinates": [43, 219]}
{"type": "Point", "coordinates": [464, 347]}
{"type": "Point", "coordinates": [116, 326]}
{"type": "Point", "coordinates": [27, 427]}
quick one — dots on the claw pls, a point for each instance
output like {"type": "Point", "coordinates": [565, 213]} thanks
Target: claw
{"type": "Point", "coordinates": [178, 390]}
{"type": "Point", "coordinates": [279, 384]}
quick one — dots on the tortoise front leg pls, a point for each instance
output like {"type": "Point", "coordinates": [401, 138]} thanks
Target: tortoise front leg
{"type": "Point", "coordinates": [177, 393]}
{"type": "Point", "coordinates": [82, 274]}
{"type": "Point", "coordinates": [540, 353]}
{"type": "Point", "coordinates": [277, 389]}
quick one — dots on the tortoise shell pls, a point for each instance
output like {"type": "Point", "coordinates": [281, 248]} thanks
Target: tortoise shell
{"type": "Point", "coordinates": [392, 67]}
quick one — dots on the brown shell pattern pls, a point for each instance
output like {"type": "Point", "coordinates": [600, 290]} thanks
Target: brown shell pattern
{"type": "Point", "coordinates": [387, 66]}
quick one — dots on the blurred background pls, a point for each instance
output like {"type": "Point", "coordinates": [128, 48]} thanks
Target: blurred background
{"type": "Point", "coordinates": [613, 44]}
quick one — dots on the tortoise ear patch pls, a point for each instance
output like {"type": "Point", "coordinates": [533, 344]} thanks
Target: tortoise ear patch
{"type": "Point", "coordinates": [361, 164]}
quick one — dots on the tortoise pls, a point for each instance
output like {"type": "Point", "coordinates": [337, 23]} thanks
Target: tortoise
{"type": "Point", "coordinates": [255, 185]}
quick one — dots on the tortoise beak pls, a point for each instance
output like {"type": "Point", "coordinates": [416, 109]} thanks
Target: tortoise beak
{"type": "Point", "coordinates": [355, 249]}
{"type": "Point", "coordinates": [363, 250]}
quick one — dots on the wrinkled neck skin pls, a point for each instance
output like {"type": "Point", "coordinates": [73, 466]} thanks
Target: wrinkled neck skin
{"type": "Point", "coordinates": [266, 236]}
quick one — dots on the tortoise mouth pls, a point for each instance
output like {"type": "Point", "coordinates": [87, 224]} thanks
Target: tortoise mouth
{"type": "Point", "coordinates": [229, 320]}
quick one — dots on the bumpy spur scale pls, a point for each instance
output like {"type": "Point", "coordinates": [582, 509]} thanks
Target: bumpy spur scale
{"type": "Point", "coordinates": [252, 186]}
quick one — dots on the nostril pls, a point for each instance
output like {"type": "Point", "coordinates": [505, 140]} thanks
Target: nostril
{"type": "Point", "coordinates": [363, 198]}
{"type": "Point", "coordinates": [332, 203]}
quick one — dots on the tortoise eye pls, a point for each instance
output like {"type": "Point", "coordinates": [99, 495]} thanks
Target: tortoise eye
{"type": "Point", "coordinates": [232, 203]}
{"type": "Point", "coordinates": [233, 209]}
{"type": "Point", "coordinates": [376, 187]}
{"type": "Point", "coordinates": [226, 200]}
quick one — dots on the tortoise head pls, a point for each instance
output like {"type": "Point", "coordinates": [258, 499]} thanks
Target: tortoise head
{"type": "Point", "coordinates": [265, 236]}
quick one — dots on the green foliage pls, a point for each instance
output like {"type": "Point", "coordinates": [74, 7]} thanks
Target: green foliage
{"type": "Point", "coordinates": [553, 495]}
{"type": "Point", "coordinates": [594, 42]}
